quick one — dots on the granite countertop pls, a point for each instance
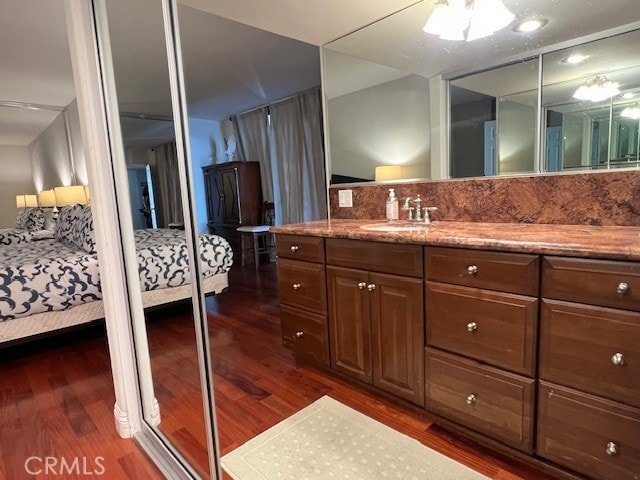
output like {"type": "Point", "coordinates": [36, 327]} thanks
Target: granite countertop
{"type": "Point", "coordinates": [622, 243]}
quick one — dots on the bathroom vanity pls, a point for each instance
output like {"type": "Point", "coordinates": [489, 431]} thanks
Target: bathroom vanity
{"type": "Point", "coordinates": [526, 337]}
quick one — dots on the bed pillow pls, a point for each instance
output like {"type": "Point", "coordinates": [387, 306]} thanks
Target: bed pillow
{"type": "Point", "coordinates": [83, 230]}
{"type": "Point", "coordinates": [66, 220]}
{"type": "Point", "coordinates": [30, 219]}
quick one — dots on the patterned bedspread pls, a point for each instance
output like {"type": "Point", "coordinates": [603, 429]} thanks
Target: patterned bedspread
{"type": "Point", "coordinates": [11, 236]}
{"type": "Point", "coordinates": [49, 275]}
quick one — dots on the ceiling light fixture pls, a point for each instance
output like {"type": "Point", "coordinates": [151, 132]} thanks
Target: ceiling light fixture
{"type": "Point", "coordinates": [631, 112]}
{"type": "Point", "coordinates": [467, 19]}
{"type": "Point", "coordinates": [530, 25]}
{"type": "Point", "coordinates": [628, 95]}
{"type": "Point", "coordinates": [597, 89]}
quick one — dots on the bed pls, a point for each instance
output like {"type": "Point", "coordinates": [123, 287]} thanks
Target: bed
{"type": "Point", "coordinates": [53, 284]}
{"type": "Point", "coordinates": [30, 222]}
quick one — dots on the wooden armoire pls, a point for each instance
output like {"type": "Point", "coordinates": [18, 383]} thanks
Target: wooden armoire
{"type": "Point", "coordinates": [234, 198]}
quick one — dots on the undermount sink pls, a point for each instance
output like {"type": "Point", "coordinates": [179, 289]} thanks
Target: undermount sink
{"type": "Point", "coordinates": [394, 227]}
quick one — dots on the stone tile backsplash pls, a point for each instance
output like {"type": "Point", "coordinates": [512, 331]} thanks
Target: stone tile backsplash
{"type": "Point", "coordinates": [599, 198]}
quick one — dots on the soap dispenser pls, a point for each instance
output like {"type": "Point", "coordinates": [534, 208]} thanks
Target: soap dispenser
{"type": "Point", "coordinates": [393, 211]}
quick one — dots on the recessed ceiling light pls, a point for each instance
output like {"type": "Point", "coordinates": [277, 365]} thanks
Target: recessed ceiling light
{"type": "Point", "coordinates": [531, 25]}
{"type": "Point", "coordinates": [628, 95]}
{"type": "Point", "coordinates": [576, 58]}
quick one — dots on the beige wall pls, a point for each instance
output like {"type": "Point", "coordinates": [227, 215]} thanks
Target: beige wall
{"type": "Point", "coordinates": [15, 180]}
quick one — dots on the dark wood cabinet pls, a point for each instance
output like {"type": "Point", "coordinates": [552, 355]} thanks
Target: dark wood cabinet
{"type": "Point", "coordinates": [303, 298]}
{"type": "Point", "coordinates": [234, 198]}
{"type": "Point", "coordinates": [377, 329]}
{"type": "Point", "coordinates": [482, 313]}
{"type": "Point", "coordinates": [457, 330]}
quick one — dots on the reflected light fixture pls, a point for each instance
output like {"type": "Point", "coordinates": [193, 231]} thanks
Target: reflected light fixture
{"type": "Point", "coordinates": [21, 202]}
{"type": "Point", "coordinates": [388, 172]}
{"type": "Point", "coordinates": [628, 95]}
{"type": "Point", "coordinates": [597, 89]}
{"type": "Point", "coordinates": [575, 59]}
{"type": "Point", "coordinates": [70, 195]}
{"type": "Point", "coordinates": [631, 112]}
{"type": "Point", "coordinates": [467, 19]}
{"type": "Point", "coordinates": [46, 198]}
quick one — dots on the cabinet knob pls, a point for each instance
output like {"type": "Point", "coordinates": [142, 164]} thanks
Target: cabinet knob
{"type": "Point", "coordinates": [472, 326]}
{"type": "Point", "coordinates": [296, 286]}
{"type": "Point", "coordinates": [618, 359]}
{"type": "Point", "coordinates": [622, 288]}
{"type": "Point", "coordinates": [472, 269]}
{"type": "Point", "coordinates": [371, 287]}
{"type": "Point", "coordinates": [471, 399]}
{"type": "Point", "coordinates": [612, 449]}
{"type": "Point", "coordinates": [299, 334]}
{"type": "Point", "coordinates": [294, 248]}
{"type": "Point", "coordinates": [362, 285]}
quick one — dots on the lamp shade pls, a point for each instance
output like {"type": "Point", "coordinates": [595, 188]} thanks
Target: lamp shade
{"type": "Point", "coordinates": [87, 194]}
{"type": "Point", "coordinates": [70, 195]}
{"type": "Point", "coordinates": [21, 201]}
{"type": "Point", "coordinates": [388, 172]}
{"type": "Point", "coordinates": [31, 200]}
{"type": "Point", "coordinates": [46, 198]}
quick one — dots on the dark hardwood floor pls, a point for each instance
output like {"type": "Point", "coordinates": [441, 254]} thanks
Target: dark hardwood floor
{"type": "Point", "coordinates": [56, 395]}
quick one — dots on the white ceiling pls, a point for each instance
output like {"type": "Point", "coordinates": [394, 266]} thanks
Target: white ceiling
{"type": "Point", "coordinates": [232, 67]}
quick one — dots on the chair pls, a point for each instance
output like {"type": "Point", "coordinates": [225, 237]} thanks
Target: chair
{"type": "Point", "coordinates": [258, 233]}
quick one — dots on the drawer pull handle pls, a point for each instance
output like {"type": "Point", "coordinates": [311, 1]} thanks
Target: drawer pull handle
{"type": "Point", "coordinates": [622, 288]}
{"type": "Point", "coordinates": [299, 334]}
{"type": "Point", "coordinates": [618, 359]}
{"type": "Point", "coordinates": [371, 287]}
{"type": "Point", "coordinates": [472, 326]}
{"type": "Point", "coordinates": [362, 285]}
{"type": "Point", "coordinates": [294, 248]}
{"type": "Point", "coordinates": [612, 449]}
{"type": "Point", "coordinates": [296, 286]}
{"type": "Point", "coordinates": [471, 399]}
{"type": "Point", "coordinates": [472, 269]}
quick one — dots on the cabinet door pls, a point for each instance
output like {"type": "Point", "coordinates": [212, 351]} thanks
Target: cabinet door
{"type": "Point", "coordinates": [349, 322]}
{"type": "Point", "coordinates": [228, 186]}
{"type": "Point", "coordinates": [397, 335]}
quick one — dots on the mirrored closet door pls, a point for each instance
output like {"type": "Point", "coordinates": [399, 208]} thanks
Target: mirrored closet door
{"type": "Point", "coordinates": [170, 266]}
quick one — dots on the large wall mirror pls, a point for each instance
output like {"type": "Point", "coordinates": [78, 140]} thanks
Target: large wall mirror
{"type": "Point", "coordinates": [402, 104]}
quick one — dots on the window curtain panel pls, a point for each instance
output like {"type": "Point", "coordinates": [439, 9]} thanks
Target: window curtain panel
{"type": "Point", "coordinates": [297, 156]}
{"type": "Point", "coordinates": [169, 179]}
{"type": "Point", "coordinates": [252, 133]}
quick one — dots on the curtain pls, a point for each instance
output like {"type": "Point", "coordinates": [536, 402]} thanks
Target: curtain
{"type": "Point", "coordinates": [169, 179]}
{"type": "Point", "coordinates": [297, 157]}
{"type": "Point", "coordinates": [253, 144]}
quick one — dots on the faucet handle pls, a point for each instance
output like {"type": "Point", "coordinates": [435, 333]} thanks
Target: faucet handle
{"type": "Point", "coordinates": [426, 213]}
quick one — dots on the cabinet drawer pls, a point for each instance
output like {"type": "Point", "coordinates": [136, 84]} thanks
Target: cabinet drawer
{"type": "Point", "coordinates": [593, 349]}
{"type": "Point", "coordinates": [381, 257]}
{"type": "Point", "coordinates": [596, 282]}
{"type": "Point", "coordinates": [300, 247]}
{"type": "Point", "coordinates": [302, 284]}
{"type": "Point", "coordinates": [506, 272]}
{"type": "Point", "coordinates": [495, 403]}
{"type": "Point", "coordinates": [497, 328]}
{"type": "Point", "coordinates": [305, 333]}
{"type": "Point", "coordinates": [596, 437]}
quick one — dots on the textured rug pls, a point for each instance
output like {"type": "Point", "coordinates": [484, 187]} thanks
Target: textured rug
{"type": "Point", "coordinates": [328, 440]}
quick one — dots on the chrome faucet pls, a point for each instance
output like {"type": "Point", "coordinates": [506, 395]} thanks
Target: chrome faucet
{"type": "Point", "coordinates": [421, 213]}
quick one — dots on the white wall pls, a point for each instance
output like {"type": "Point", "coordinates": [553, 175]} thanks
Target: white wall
{"type": "Point", "coordinates": [207, 145]}
{"type": "Point", "coordinates": [516, 136]}
{"type": "Point", "coordinates": [15, 180]}
{"type": "Point", "coordinates": [52, 163]}
{"type": "Point", "coordinates": [383, 125]}
{"type": "Point", "coordinates": [50, 160]}
{"type": "Point", "coordinates": [573, 127]}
